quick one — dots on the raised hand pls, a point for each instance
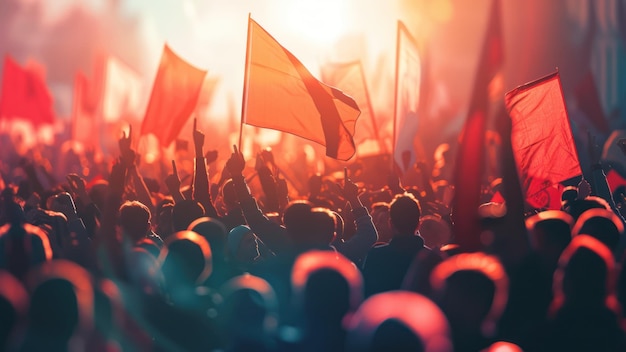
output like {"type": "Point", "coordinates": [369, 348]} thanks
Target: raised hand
{"type": "Point", "coordinates": [77, 184]}
{"type": "Point", "coordinates": [211, 156]}
{"type": "Point", "coordinates": [172, 180]}
{"type": "Point", "coordinates": [236, 162]}
{"type": "Point", "coordinates": [127, 154]}
{"type": "Point", "coordinates": [350, 190]}
{"type": "Point", "coordinates": [198, 138]}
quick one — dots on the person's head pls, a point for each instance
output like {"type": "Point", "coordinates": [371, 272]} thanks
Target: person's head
{"type": "Point", "coordinates": [61, 303]}
{"type": "Point", "coordinates": [13, 305]}
{"type": "Point", "coordinates": [380, 217]}
{"type": "Point", "coordinates": [307, 226]}
{"type": "Point", "coordinates": [472, 290]}
{"type": "Point", "coordinates": [242, 244]}
{"type": "Point", "coordinates": [24, 247]}
{"type": "Point", "coordinates": [185, 260]}
{"type": "Point", "coordinates": [296, 215]}
{"type": "Point", "coordinates": [569, 195]}
{"type": "Point", "coordinates": [249, 310]}
{"type": "Point", "coordinates": [326, 286]}
{"type": "Point", "coordinates": [434, 231]}
{"type": "Point", "coordinates": [185, 212]}
{"type": "Point", "coordinates": [134, 220]}
{"type": "Point", "coordinates": [398, 321]}
{"type": "Point", "coordinates": [229, 197]}
{"type": "Point", "coordinates": [62, 203]}
{"type": "Point", "coordinates": [601, 224]}
{"type": "Point", "coordinates": [404, 214]}
{"type": "Point", "coordinates": [578, 206]}
{"type": "Point", "coordinates": [215, 233]}
{"type": "Point", "coordinates": [585, 275]}
{"type": "Point", "coordinates": [550, 232]}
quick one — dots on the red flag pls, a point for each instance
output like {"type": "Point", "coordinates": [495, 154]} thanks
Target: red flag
{"type": "Point", "coordinates": [541, 136]}
{"type": "Point", "coordinates": [407, 97]}
{"type": "Point", "coordinates": [615, 180]}
{"type": "Point", "coordinates": [349, 78]}
{"type": "Point", "coordinates": [470, 158]}
{"type": "Point", "coordinates": [24, 94]}
{"type": "Point", "coordinates": [281, 94]}
{"type": "Point", "coordinates": [174, 97]}
{"type": "Point", "coordinates": [84, 112]}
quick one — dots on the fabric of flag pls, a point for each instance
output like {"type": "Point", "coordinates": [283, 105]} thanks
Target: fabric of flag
{"type": "Point", "coordinates": [407, 97]}
{"type": "Point", "coordinates": [281, 94]}
{"type": "Point", "coordinates": [174, 97]}
{"type": "Point", "coordinates": [470, 159]}
{"type": "Point", "coordinates": [350, 79]}
{"type": "Point", "coordinates": [24, 94]}
{"type": "Point", "coordinates": [85, 111]}
{"type": "Point", "coordinates": [122, 93]}
{"type": "Point", "coordinates": [541, 135]}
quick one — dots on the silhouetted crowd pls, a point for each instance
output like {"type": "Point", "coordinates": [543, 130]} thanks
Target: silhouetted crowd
{"type": "Point", "coordinates": [127, 263]}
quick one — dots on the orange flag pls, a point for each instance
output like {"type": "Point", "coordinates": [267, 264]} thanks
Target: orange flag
{"type": "Point", "coordinates": [24, 94]}
{"type": "Point", "coordinates": [281, 94]}
{"type": "Point", "coordinates": [174, 97]}
{"type": "Point", "coordinates": [541, 137]}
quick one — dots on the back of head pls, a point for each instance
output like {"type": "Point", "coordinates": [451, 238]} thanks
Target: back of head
{"type": "Point", "coordinates": [134, 219]}
{"type": "Point", "coordinates": [23, 246]}
{"type": "Point", "coordinates": [398, 321]}
{"type": "Point", "coordinates": [326, 286]}
{"type": "Point", "coordinates": [185, 259]}
{"type": "Point", "coordinates": [296, 217]}
{"type": "Point", "coordinates": [404, 213]}
{"type": "Point", "coordinates": [602, 224]}
{"type": "Point", "coordinates": [578, 206]}
{"type": "Point", "coordinates": [13, 305]}
{"type": "Point", "coordinates": [472, 289]}
{"type": "Point", "coordinates": [185, 212]}
{"type": "Point", "coordinates": [249, 309]}
{"type": "Point", "coordinates": [228, 194]}
{"type": "Point", "coordinates": [214, 232]}
{"type": "Point", "coordinates": [54, 309]}
{"type": "Point", "coordinates": [585, 275]}
{"type": "Point", "coordinates": [550, 231]}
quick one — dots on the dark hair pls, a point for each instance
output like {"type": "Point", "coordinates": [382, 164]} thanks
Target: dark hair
{"type": "Point", "coordinates": [134, 219]}
{"type": "Point", "coordinates": [185, 212]}
{"type": "Point", "coordinates": [404, 213]}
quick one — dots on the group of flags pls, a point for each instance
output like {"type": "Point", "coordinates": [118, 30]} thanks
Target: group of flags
{"type": "Point", "coordinates": [280, 93]}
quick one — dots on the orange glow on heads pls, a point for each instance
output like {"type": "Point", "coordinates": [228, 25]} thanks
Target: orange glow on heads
{"type": "Point", "coordinates": [597, 213]}
{"type": "Point", "coordinates": [12, 290]}
{"type": "Point", "coordinates": [312, 261]}
{"type": "Point", "coordinates": [413, 310]}
{"type": "Point", "coordinates": [549, 215]}
{"type": "Point", "coordinates": [200, 241]}
{"type": "Point", "coordinates": [45, 241]}
{"type": "Point", "coordinates": [482, 263]}
{"type": "Point", "coordinates": [74, 274]}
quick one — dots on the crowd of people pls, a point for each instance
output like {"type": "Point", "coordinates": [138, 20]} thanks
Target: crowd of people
{"type": "Point", "coordinates": [135, 264]}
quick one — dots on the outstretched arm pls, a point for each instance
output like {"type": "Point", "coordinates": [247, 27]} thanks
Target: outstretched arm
{"type": "Point", "coordinates": [201, 178]}
{"type": "Point", "coordinates": [272, 234]}
{"type": "Point", "coordinates": [172, 181]}
{"type": "Point", "coordinates": [366, 235]}
{"type": "Point", "coordinates": [128, 157]}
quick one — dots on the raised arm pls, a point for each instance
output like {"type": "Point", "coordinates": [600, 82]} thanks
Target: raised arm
{"type": "Point", "coordinates": [172, 181]}
{"type": "Point", "coordinates": [201, 178]}
{"type": "Point", "coordinates": [128, 157]}
{"type": "Point", "coordinates": [366, 235]}
{"type": "Point", "coordinates": [272, 234]}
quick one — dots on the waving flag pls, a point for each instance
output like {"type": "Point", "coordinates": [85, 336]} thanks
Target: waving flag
{"type": "Point", "coordinates": [24, 94]}
{"type": "Point", "coordinates": [541, 136]}
{"type": "Point", "coordinates": [174, 97]}
{"type": "Point", "coordinates": [349, 78]}
{"type": "Point", "coordinates": [281, 94]}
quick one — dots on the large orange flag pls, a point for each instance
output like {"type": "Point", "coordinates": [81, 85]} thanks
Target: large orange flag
{"type": "Point", "coordinates": [24, 94]}
{"type": "Point", "coordinates": [174, 97]}
{"type": "Point", "coordinates": [541, 137]}
{"type": "Point", "coordinates": [281, 94]}
{"type": "Point", "coordinates": [349, 78]}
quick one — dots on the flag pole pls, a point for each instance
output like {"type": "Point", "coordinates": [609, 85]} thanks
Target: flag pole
{"type": "Point", "coordinates": [244, 98]}
{"type": "Point", "coordinates": [395, 100]}
{"type": "Point", "coordinates": [381, 145]}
